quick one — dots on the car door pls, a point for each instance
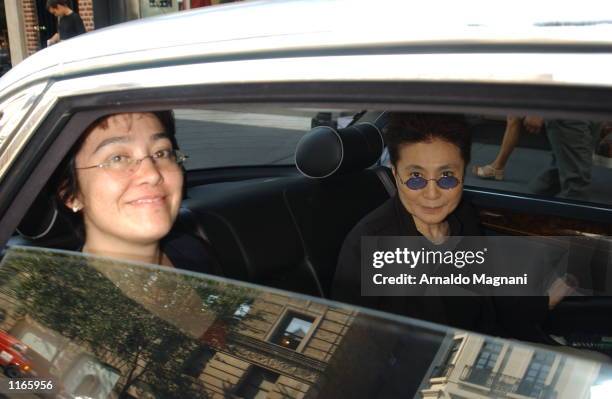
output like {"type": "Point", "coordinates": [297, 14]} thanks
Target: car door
{"type": "Point", "coordinates": [510, 207]}
{"type": "Point", "coordinates": [108, 327]}
{"type": "Point", "coordinates": [59, 110]}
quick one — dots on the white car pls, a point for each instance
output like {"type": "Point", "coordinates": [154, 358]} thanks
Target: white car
{"type": "Point", "coordinates": [248, 82]}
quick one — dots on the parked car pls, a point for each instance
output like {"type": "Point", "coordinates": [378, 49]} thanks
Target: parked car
{"type": "Point", "coordinates": [14, 357]}
{"type": "Point", "coordinates": [244, 95]}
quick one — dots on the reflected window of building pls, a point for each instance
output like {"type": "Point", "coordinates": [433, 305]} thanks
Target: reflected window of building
{"type": "Point", "coordinates": [534, 380]}
{"type": "Point", "coordinates": [40, 345]}
{"type": "Point", "coordinates": [452, 353]}
{"type": "Point", "coordinates": [89, 374]}
{"type": "Point", "coordinates": [242, 310]}
{"type": "Point", "coordinates": [292, 330]}
{"type": "Point", "coordinates": [89, 386]}
{"type": "Point", "coordinates": [211, 299]}
{"type": "Point", "coordinates": [196, 361]}
{"type": "Point", "coordinates": [488, 355]}
{"type": "Point", "coordinates": [258, 383]}
{"type": "Point", "coordinates": [444, 369]}
{"type": "Point", "coordinates": [481, 371]}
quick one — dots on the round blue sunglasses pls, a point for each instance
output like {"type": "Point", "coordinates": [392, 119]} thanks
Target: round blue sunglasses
{"type": "Point", "coordinates": [444, 182]}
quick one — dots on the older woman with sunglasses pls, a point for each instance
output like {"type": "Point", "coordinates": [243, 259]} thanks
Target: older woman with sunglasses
{"type": "Point", "coordinates": [122, 185]}
{"type": "Point", "coordinates": [429, 154]}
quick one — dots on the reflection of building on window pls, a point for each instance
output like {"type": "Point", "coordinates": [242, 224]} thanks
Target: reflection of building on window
{"type": "Point", "coordinates": [88, 387]}
{"type": "Point", "coordinates": [292, 330]}
{"type": "Point", "coordinates": [444, 369]}
{"type": "Point", "coordinates": [534, 381]}
{"type": "Point", "coordinates": [40, 343]}
{"type": "Point", "coordinates": [196, 361]}
{"type": "Point", "coordinates": [87, 373]}
{"type": "Point", "coordinates": [482, 369]}
{"type": "Point", "coordinates": [257, 383]}
{"type": "Point", "coordinates": [242, 310]}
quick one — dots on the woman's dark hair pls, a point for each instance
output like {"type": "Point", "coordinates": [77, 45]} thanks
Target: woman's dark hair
{"type": "Point", "coordinates": [65, 180]}
{"type": "Point", "coordinates": [410, 128]}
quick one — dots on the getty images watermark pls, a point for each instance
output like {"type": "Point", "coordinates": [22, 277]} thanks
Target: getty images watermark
{"type": "Point", "coordinates": [498, 266]}
{"type": "Point", "coordinates": [458, 259]}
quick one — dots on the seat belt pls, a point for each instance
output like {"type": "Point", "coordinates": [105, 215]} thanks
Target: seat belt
{"type": "Point", "coordinates": [384, 177]}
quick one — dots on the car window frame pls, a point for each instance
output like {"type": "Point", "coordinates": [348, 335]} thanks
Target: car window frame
{"type": "Point", "coordinates": [69, 116]}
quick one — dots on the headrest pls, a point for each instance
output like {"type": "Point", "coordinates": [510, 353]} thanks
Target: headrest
{"type": "Point", "coordinates": [40, 218]}
{"type": "Point", "coordinates": [45, 225]}
{"type": "Point", "coordinates": [325, 151]}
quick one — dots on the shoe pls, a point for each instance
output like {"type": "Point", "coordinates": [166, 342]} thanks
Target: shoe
{"type": "Point", "coordinates": [488, 172]}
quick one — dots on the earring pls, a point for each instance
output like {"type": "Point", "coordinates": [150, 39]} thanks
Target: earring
{"type": "Point", "coordinates": [75, 209]}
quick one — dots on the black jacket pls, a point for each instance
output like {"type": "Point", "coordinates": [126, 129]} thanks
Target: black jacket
{"type": "Point", "coordinates": [191, 253]}
{"type": "Point", "coordinates": [70, 26]}
{"type": "Point", "coordinates": [496, 316]}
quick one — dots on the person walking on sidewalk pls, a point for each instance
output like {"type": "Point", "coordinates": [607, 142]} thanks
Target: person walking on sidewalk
{"type": "Point", "coordinates": [70, 23]}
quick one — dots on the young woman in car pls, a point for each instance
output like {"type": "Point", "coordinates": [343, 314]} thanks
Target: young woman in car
{"type": "Point", "coordinates": [429, 154]}
{"type": "Point", "coordinates": [123, 184]}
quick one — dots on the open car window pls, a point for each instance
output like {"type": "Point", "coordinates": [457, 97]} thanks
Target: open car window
{"type": "Point", "coordinates": [134, 330]}
{"type": "Point", "coordinates": [564, 159]}
{"type": "Point", "coordinates": [226, 136]}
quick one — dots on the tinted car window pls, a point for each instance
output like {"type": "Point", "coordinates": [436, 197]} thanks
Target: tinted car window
{"type": "Point", "coordinates": [123, 329]}
{"type": "Point", "coordinates": [570, 159]}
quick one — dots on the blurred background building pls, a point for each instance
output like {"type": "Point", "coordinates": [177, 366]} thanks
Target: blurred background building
{"type": "Point", "coordinates": [476, 367]}
{"type": "Point", "coordinates": [26, 25]}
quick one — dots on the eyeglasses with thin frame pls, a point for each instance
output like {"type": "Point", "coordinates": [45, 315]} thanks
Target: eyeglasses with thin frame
{"type": "Point", "coordinates": [127, 165]}
{"type": "Point", "coordinates": [419, 182]}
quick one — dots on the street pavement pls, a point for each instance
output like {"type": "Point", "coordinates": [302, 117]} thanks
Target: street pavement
{"type": "Point", "coordinates": [238, 139]}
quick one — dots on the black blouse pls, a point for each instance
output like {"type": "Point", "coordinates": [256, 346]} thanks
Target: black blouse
{"type": "Point", "coordinates": [491, 315]}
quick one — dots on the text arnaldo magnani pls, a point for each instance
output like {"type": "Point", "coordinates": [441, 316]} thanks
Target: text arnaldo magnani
{"type": "Point", "coordinates": [422, 258]}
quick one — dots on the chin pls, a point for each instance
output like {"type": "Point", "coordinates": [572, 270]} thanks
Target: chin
{"type": "Point", "coordinates": [150, 238]}
{"type": "Point", "coordinates": [150, 233]}
{"type": "Point", "coordinates": [432, 219]}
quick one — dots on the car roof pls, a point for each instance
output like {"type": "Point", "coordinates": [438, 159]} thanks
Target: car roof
{"type": "Point", "coordinates": [264, 28]}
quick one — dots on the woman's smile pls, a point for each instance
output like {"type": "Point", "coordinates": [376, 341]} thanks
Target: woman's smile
{"type": "Point", "coordinates": [155, 200]}
{"type": "Point", "coordinates": [146, 199]}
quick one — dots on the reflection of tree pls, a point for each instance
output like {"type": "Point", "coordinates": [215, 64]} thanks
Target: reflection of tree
{"type": "Point", "coordinates": [79, 302]}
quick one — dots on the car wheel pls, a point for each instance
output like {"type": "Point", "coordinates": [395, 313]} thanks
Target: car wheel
{"type": "Point", "coordinates": [12, 372]}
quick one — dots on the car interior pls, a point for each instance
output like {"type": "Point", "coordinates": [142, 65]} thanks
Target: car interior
{"type": "Point", "coordinates": [284, 226]}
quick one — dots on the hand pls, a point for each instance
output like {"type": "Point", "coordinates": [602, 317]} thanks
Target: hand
{"type": "Point", "coordinates": [559, 289]}
{"type": "Point", "coordinates": [533, 124]}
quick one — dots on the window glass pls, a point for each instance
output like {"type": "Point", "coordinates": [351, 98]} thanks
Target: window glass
{"type": "Point", "coordinates": [206, 135]}
{"type": "Point", "coordinates": [39, 345]}
{"type": "Point", "coordinates": [488, 355]}
{"type": "Point", "coordinates": [134, 330]}
{"type": "Point", "coordinates": [481, 373]}
{"type": "Point", "coordinates": [248, 136]}
{"type": "Point", "coordinates": [569, 159]}
{"type": "Point", "coordinates": [292, 330]}
{"type": "Point", "coordinates": [453, 351]}
{"type": "Point", "coordinates": [88, 377]}
{"type": "Point", "coordinates": [447, 366]}
{"type": "Point", "coordinates": [242, 310]}
{"type": "Point", "coordinates": [551, 158]}
{"type": "Point", "coordinates": [533, 383]}
{"type": "Point", "coordinates": [258, 384]}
